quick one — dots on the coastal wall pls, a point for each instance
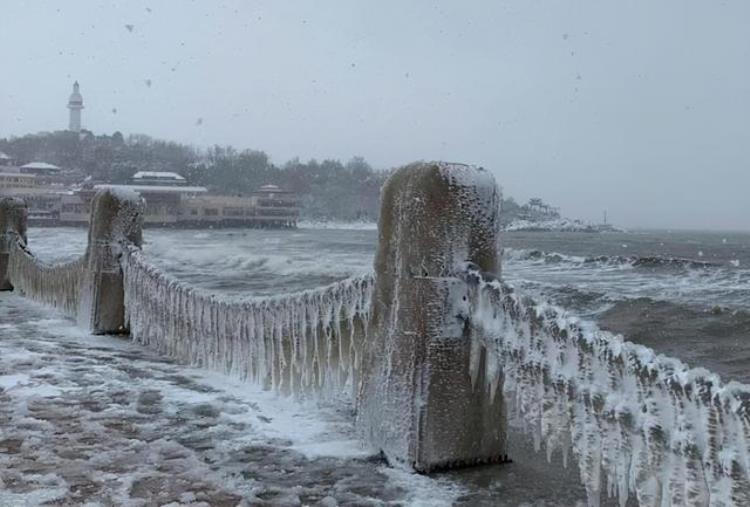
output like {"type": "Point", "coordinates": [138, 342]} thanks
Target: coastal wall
{"type": "Point", "coordinates": [436, 353]}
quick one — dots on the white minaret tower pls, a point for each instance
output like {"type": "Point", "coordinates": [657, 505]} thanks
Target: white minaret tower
{"type": "Point", "coordinates": [75, 104]}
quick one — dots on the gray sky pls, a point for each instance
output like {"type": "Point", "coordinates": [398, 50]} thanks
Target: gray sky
{"type": "Point", "coordinates": [639, 107]}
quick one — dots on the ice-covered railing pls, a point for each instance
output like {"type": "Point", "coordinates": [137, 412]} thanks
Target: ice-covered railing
{"type": "Point", "coordinates": [639, 423]}
{"type": "Point", "coordinates": [56, 285]}
{"type": "Point", "coordinates": [438, 354]}
{"type": "Point", "coordinates": [296, 343]}
{"type": "Point", "coordinates": [89, 288]}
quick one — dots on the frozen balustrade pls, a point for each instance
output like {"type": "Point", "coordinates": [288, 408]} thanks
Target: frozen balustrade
{"type": "Point", "coordinates": [89, 288]}
{"type": "Point", "coordinates": [639, 424]}
{"type": "Point", "coordinates": [297, 343]}
{"type": "Point", "coordinates": [436, 353]}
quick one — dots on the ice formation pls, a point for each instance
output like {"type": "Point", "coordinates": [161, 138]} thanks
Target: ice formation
{"type": "Point", "coordinates": [89, 288]}
{"type": "Point", "coordinates": [638, 423]}
{"type": "Point", "coordinates": [416, 402]}
{"type": "Point", "coordinates": [57, 285]}
{"type": "Point", "coordinates": [297, 343]}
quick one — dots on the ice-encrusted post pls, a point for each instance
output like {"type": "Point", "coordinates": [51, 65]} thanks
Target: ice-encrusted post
{"type": "Point", "coordinates": [419, 400]}
{"type": "Point", "coordinates": [13, 217]}
{"type": "Point", "coordinates": [116, 221]}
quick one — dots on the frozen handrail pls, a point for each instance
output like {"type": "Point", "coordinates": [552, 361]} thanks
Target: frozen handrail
{"type": "Point", "coordinates": [295, 343]}
{"type": "Point", "coordinates": [57, 285]}
{"type": "Point", "coordinates": [638, 423]}
{"type": "Point", "coordinates": [54, 284]}
{"type": "Point", "coordinates": [89, 288]}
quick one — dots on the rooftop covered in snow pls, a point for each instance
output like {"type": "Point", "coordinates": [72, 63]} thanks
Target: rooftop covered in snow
{"type": "Point", "coordinates": [40, 168]}
{"type": "Point", "coordinates": [272, 189]}
{"type": "Point", "coordinates": [40, 165]}
{"type": "Point", "coordinates": [161, 175]}
{"type": "Point", "coordinates": [156, 189]}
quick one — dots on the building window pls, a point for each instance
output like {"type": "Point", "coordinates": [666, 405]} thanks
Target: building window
{"type": "Point", "coordinates": [210, 212]}
{"type": "Point", "coordinates": [232, 212]}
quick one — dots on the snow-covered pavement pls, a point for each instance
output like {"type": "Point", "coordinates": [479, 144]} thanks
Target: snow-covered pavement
{"type": "Point", "coordinates": [94, 420]}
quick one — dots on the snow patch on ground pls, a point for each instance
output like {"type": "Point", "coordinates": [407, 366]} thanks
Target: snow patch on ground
{"type": "Point", "coordinates": [333, 224]}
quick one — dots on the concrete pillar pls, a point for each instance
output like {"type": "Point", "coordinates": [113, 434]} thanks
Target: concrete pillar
{"type": "Point", "coordinates": [116, 219]}
{"type": "Point", "coordinates": [13, 217]}
{"type": "Point", "coordinates": [416, 401]}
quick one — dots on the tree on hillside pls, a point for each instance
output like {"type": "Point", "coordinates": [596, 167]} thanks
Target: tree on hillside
{"type": "Point", "coordinates": [328, 188]}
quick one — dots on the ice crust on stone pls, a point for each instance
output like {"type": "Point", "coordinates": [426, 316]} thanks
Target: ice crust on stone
{"type": "Point", "coordinates": [70, 287]}
{"type": "Point", "coordinates": [298, 343]}
{"type": "Point", "coordinates": [416, 402]}
{"type": "Point", "coordinates": [639, 424]}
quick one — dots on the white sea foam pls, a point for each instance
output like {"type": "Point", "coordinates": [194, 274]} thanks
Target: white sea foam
{"type": "Point", "coordinates": [332, 224]}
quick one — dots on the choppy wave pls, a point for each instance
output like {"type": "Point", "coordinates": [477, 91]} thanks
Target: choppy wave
{"type": "Point", "coordinates": [599, 281]}
{"type": "Point", "coordinates": [622, 261]}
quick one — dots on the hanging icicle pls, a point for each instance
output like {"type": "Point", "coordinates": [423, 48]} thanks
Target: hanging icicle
{"type": "Point", "coordinates": [637, 423]}
{"type": "Point", "coordinates": [56, 285]}
{"type": "Point", "coordinates": [297, 343]}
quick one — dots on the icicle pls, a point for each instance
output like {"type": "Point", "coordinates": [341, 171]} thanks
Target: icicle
{"type": "Point", "coordinates": [300, 343]}
{"type": "Point", "coordinates": [638, 423]}
{"type": "Point", "coordinates": [52, 284]}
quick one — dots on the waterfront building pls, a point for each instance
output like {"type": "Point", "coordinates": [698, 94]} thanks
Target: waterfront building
{"type": "Point", "coordinates": [171, 202]}
{"type": "Point", "coordinates": [276, 207]}
{"type": "Point", "coordinates": [163, 178]}
{"type": "Point", "coordinates": [40, 169]}
{"type": "Point", "coordinates": [14, 180]}
{"type": "Point", "coordinates": [5, 160]}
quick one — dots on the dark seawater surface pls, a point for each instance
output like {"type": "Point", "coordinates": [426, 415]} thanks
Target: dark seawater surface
{"type": "Point", "coordinates": [685, 294]}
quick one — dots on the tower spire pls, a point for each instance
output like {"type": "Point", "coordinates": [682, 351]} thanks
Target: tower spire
{"type": "Point", "coordinates": [75, 104]}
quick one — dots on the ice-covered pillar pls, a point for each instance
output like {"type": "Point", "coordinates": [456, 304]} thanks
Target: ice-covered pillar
{"type": "Point", "coordinates": [116, 220]}
{"type": "Point", "coordinates": [13, 216]}
{"type": "Point", "coordinates": [417, 402]}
